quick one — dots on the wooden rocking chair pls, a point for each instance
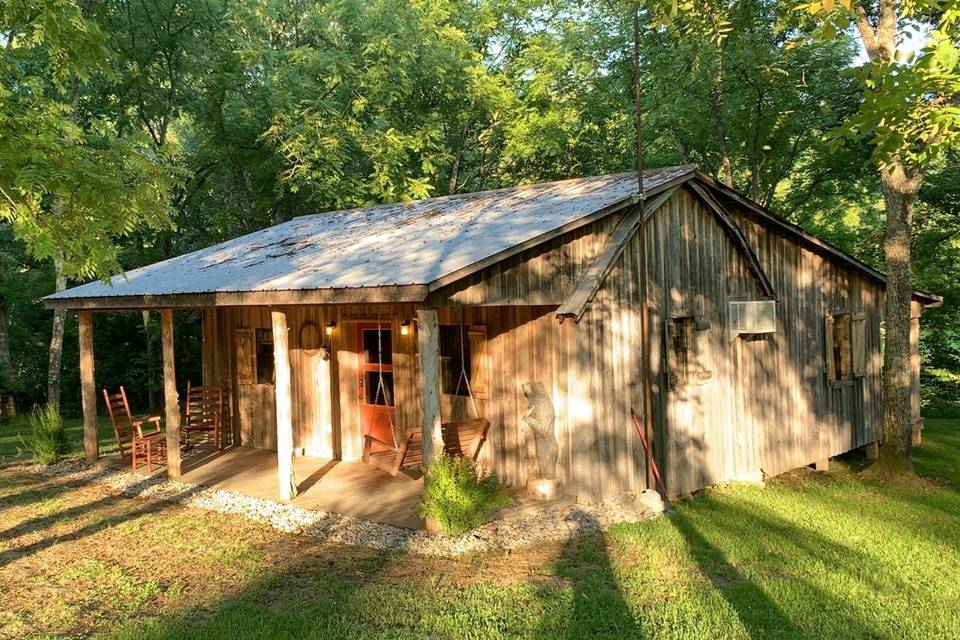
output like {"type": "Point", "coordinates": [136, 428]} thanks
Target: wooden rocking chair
{"type": "Point", "coordinates": [460, 438]}
{"type": "Point", "coordinates": [203, 418]}
{"type": "Point", "coordinates": [146, 447]}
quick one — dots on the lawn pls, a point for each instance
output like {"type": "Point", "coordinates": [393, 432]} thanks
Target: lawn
{"type": "Point", "coordinates": [811, 555]}
{"type": "Point", "coordinates": [15, 433]}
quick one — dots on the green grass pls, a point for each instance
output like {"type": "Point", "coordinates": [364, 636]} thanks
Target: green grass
{"type": "Point", "coordinates": [938, 457]}
{"type": "Point", "coordinates": [810, 555]}
{"type": "Point", "coordinates": [13, 434]}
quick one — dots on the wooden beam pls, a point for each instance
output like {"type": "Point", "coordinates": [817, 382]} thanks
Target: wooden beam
{"type": "Point", "coordinates": [88, 388]}
{"type": "Point", "coordinates": [171, 399]}
{"type": "Point", "coordinates": [281, 363]}
{"type": "Point", "coordinates": [428, 343]}
{"type": "Point", "coordinates": [600, 268]}
{"type": "Point", "coordinates": [385, 294]}
{"type": "Point", "coordinates": [739, 239]}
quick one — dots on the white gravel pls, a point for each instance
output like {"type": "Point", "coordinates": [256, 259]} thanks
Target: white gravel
{"type": "Point", "coordinates": [556, 522]}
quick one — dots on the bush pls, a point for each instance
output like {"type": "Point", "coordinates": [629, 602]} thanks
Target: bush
{"type": "Point", "coordinates": [48, 437]}
{"type": "Point", "coordinates": [459, 495]}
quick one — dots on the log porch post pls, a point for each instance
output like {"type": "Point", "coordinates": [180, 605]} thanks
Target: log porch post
{"type": "Point", "coordinates": [281, 363]}
{"type": "Point", "coordinates": [428, 350]}
{"type": "Point", "coordinates": [171, 400]}
{"type": "Point", "coordinates": [88, 389]}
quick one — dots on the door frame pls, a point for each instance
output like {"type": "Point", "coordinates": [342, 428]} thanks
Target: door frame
{"type": "Point", "coordinates": [365, 424]}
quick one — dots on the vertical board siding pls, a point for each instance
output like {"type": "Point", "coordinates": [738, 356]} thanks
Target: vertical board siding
{"type": "Point", "coordinates": [765, 405]}
{"type": "Point", "coordinates": [797, 416]}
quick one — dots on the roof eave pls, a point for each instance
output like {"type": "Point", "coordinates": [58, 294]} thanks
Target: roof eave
{"type": "Point", "coordinates": [411, 293]}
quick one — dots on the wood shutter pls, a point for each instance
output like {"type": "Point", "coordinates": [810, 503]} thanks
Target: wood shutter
{"type": "Point", "coordinates": [828, 343]}
{"type": "Point", "coordinates": [479, 362]}
{"type": "Point", "coordinates": [245, 348]}
{"type": "Point", "coordinates": [858, 338]}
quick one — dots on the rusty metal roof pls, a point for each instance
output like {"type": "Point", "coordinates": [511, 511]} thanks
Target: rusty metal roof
{"type": "Point", "coordinates": [407, 243]}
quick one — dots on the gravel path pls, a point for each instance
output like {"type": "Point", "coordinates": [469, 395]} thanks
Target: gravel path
{"type": "Point", "coordinates": [551, 523]}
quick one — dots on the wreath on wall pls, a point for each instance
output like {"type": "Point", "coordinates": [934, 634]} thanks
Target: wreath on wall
{"type": "Point", "coordinates": [311, 340]}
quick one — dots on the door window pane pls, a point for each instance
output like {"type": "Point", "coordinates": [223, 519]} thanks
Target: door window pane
{"type": "Point", "coordinates": [372, 394]}
{"type": "Point", "coordinates": [372, 351]}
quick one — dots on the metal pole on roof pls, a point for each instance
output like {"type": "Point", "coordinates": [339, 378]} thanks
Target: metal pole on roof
{"type": "Point", "coordinates": [647, 370]}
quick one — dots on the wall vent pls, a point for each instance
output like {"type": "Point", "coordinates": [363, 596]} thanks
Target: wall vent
{"type": "Point", "coordinates": [752, 316]}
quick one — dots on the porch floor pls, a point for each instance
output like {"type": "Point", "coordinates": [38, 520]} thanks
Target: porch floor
{"type": "Point", "coordinates": [351, 488]}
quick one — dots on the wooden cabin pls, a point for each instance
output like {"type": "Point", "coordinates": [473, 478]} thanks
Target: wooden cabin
{"type": "Point", "coordinates": [764, 341]}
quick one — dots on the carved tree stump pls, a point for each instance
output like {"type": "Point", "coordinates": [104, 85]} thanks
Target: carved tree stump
{"type": "Point", "coordinates": [540, 418]}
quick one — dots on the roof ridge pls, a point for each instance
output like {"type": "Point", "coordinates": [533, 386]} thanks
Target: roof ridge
{"type": "Point", "coordinates": [649, 172]}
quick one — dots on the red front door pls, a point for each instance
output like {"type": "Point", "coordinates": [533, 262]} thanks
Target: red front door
{"type": "Point", "coordinates": [375, 383]}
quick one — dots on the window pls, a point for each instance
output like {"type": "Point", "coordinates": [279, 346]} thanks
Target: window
{"type": "Point", "coordinates": [470, 357]}
{"type": "Point", "coordinates": [845, 346]}
{"type": "Point", "coordinates": [682, 351]}
{"type": "Point", "coordinates": [372, 393]}
{"type": "Point", "coordinates": [265, 356]}
{"type": "Point", "coordinates": [377, 345]}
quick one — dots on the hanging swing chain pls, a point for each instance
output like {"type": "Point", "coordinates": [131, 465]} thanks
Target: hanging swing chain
{"type": "Point", "coordinates": [463, 371]}
{"type": "Point", "coordinates": [380, 385]}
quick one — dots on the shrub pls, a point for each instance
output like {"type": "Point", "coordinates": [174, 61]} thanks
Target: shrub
{"type": "Point", "coordinates": [460, 495]}
{"type": "Point", "coordinates": [48, 438]}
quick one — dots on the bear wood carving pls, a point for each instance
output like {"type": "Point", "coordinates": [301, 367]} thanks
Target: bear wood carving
{"type": "Point", "coordinates": [540, 418]}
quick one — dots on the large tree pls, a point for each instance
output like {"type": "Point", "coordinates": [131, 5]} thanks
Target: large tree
{"type": "Point", "coordinates": [69, 185]}
{"type": "Point", "coordinates": [910, 113]}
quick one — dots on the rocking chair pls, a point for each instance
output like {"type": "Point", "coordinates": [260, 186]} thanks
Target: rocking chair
{"type": "Point", "coordinates": [203, 417]}
{"type": "Point", "coordinates": [146, 447]}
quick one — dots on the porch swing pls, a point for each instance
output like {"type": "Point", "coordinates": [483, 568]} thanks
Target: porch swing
{"type": "Point", "coordinates": [460, 437]}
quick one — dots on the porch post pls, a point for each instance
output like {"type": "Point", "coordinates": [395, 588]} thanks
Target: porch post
{"type": "Point", "coordinates": [170, 397]}
{"type": "Point", "coordinates": [281, 364]}
{"type": "Point", "coordinates": [428, 343]}
{"type": "Point", "coordinates": [88, 391]}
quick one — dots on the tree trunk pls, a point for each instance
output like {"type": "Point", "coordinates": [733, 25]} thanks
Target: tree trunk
{"type": "Point", "coordinates": [56, 339]}
{"type": "Point", "coordinates": [8, 407]}
{"type": "Point", "coordinates": [899, 193]}
{"type": "Point", "coordinates": [900, 188]}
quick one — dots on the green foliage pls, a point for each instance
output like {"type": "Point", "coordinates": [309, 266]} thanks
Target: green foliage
{"type": "Point", "coordinates": [70, 183]}
{"type": "Point", "coordinates": [940, 393]}
{"type": "Point", "coordinates": [131, 132]}
{"type": "Point", "coordinates": [459, 495]}
{"type": "Point", "coordinates": [48, 441]}
{"type": "Point", "coordinates": [910, 111]}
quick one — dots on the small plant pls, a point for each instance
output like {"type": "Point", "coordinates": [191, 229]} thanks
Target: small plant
{"type": "Point", "coordinates": [459, 495]}
{"type": "Point", "coordinates": [48, 437]}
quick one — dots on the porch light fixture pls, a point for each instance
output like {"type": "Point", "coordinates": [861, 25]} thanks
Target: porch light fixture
{"type": "Point", "coordinates": [330, 328]}
{"type": "Point", "coordinates": [405, 327]}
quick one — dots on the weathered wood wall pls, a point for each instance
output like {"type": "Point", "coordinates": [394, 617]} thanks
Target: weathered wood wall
{"type": "Point", "coordinates": [757, 403]}
{"type": "Point", "coordinates": [797, 416]}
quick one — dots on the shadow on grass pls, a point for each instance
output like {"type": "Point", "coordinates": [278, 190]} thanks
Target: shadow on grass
{"type": "Point", "coordinates": [36, 524]}
{"type": "Point", "coordinates": [39, 490]}
{"type": "Point", "coordinates": [759, 614]}
{"type": "Point", "coordinates": [300, 598]}
{"type": "Point", "coordinates": [598, 608]}
{"type": "Point", "coordinates": [789, 557]}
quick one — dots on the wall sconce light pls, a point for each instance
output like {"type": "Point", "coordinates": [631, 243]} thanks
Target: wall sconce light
{"type": "Point", "coordinates": [405, 327]}
{"type": "Point", "coordinates": [330, 328]}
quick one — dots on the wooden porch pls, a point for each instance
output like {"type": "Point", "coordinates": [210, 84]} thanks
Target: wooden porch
{"type": "Point", "coordinates": [351, 488]}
